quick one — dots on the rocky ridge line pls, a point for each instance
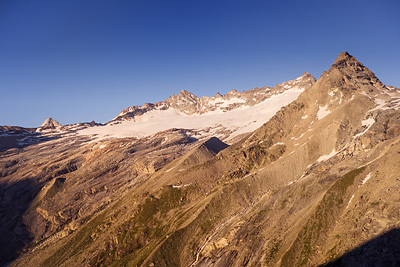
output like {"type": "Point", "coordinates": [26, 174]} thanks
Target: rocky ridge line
{"type": "Point", "coordinates": [189, 104]}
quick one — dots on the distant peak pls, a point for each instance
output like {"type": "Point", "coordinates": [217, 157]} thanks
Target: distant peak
{"type": "Point", "coordinates": [184, 92]}
{"type": "Point", "coordinates": [50, 123]}
{"type": "Point", "coordinates": [233, 92]}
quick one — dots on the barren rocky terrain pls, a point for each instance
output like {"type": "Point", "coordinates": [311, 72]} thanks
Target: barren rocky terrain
{"type": "Point", "coordinates": [316, 185]}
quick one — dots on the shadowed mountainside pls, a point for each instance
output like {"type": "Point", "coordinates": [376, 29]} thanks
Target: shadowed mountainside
{"type": "Point", "coordinates": [18, 137]}
{"type": "Point", "coordinates": [381, 251]}
{"type": "Point", "coordinates": [15, 199]}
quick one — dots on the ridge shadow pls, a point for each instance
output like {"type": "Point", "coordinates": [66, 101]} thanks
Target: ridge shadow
{"type": "Point", "coordinates": [20, 139]}
{"type": "Point", "coordinates": [15, 199]}
{"type": "Point", "coordinates": [383, 250]}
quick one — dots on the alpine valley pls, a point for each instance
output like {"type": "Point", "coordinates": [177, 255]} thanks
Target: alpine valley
{"type": "Point", "coordinates": [306, 173]}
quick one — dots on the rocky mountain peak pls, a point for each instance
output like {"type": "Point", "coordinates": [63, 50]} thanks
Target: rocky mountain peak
{"type": "Point", "coordinates": [345, 61]}
{"type": "Point", "coordinates": [185, 102]}
{"type": "Point", "coordinates": [50, 123]}
{"type": "Point", "coordinates": [343, 56]}
{"type": "Point", "coordinates": [348, 75]}
{"type": "Point", "coordinates": [350, 66]}
{"type": "Point", "coordinates": [233, 92]}
{"type": "Point", "coordinates": [185, 93]}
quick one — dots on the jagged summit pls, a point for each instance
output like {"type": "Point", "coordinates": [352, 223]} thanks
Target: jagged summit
{"type": "Point", "coordinates": [347, 61]}
{"type": "Point", "coordinates": [346, 78]}
{"type": "Point", "coordinates": [50, 123]}
{"type": "Point", "coordinates": [343, 56]}
{"type": "Point", "coordinates": [189, 104]}
{"type": "Point", "coordinates": [307, 75]}
{"type": "Point", "coordinates": [348, 92]}
{"type": "Point", "coordinates": [233, 92]}
{"type": "Point", "coordinates": [224, 116]}
{"type": "Point", "coordinates": [185, 93]}
{"type": "Point", "coordinates": [355, 73]}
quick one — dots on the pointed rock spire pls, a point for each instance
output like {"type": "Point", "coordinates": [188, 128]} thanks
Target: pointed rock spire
{"type": "Point", "coordinates": [353, 69]}
{"type": "Point", "coordinates": [50, 123]}
{"type": "Point", "coordinates": [346, 60]}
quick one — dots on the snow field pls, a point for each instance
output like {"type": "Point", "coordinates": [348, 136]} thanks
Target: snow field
{"type": "Point", "coordinates": [242, 120]}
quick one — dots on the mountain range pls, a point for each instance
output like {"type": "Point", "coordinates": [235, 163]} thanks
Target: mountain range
{"type": "Point", "coordinates": [305, 173]}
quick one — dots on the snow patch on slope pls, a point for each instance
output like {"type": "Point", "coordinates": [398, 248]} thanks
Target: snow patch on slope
{"type": "Point", "coordinates": [366, 179]}
{"type": "Point", "coordinates": [365, 123]}
{"type": "Point", "coordinates": [322, 112]}
{"type": "Point", "coordinates": [328, 156]}
{"type": "Point", "coordinates": [380, 103]}
{"type": "Point", "coordinates": [348, 204]}
{"type": "Point", "coordinates": [368, 122]}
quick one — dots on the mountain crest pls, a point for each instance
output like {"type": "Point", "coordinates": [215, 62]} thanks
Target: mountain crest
{"type": "Point", "coordinates": [185, 93]}
{"type": "Point", "coordinates": [187, 103]}
{"type": "Point", "coordinates": [233, 92]}
{"type": "Point", "coordinates": [343, 56]}
{"type": "Point", "coordinates": [345, 61]}
{"type": "Point", "coordinates": [345, 78]}
{"type": "Point", "coordinates": [50, 123]}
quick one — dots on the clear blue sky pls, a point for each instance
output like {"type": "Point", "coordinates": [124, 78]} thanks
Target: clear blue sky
{"type": "Point", "coordinates": [83, 60]}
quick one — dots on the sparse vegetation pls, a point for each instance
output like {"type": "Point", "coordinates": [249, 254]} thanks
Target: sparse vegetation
{"type": "Point", "coordinates": [276, 245]}
{"type": "Point", "coordinates": [324, 217]}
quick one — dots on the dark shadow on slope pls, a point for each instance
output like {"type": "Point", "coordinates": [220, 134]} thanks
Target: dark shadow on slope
{"type": "Point", "coordinates": [215, 145]}
{"type": "Point", "coordinates": [383, 250]}
{"type": "Point", "coordinates": [204, 152]}
{"type": "Point", "coordinates": [20, 139]}
{"type": "Point", "coordinates": [15, 199]}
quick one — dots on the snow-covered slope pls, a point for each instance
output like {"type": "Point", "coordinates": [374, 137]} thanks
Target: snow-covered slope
{"type": "Point", "coordinates": [220, 123]}
{"type": "Point", "coordinates": [189, 104]}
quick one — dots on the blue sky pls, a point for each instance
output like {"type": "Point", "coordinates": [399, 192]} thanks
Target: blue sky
{"type": "Point", "coordinates": [83, 60]}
